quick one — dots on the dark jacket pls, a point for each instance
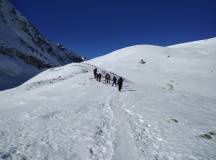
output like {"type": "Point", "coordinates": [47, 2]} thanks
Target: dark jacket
{"type": "Point", "coordinates": [120, 81]}
{"type": "Point", "coordinates": [114, 79]}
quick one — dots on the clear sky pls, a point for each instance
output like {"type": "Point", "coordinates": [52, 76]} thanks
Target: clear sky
{"type": "Point", "coordinates": [97, 27]}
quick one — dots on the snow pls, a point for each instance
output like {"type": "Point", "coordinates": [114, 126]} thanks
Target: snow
{"type": "Point", "coordinates": [162, 113]}
{"type": "Point", "coordinates": [191, 69]}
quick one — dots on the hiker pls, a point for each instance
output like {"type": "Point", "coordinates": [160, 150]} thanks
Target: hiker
{"type": "Point", "coordinates": [99, 77]}
{"type": "Point", "coordinates": [120, 82]}
{"type": "Point", "coordinates": [96, 76]}
{"type": "Point", "coordinates": [107, 78]}
{"type": "Point", "coordinates": [95, 73]}
{"type": "Point", "coordinates": [114, 81]}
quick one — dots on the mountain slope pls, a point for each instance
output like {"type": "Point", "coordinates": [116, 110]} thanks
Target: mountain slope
{"type": "Point", "coordinates": [63, 113]}
{"type": "Point", "coordinates": [196, 45]}
{"type": "Point", "coordinates": [24, 51]}
{"type": "Point", "coordinates": [191, 68]}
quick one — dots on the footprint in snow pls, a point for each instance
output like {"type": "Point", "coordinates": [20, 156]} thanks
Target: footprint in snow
{"type": "Point", "coordinates": [129, 111]}
{"type": "Point", "coordinates": [141, 120]}
{"type": "Point", "coordinates": [208, 135]}
{"type": "Point", "coordinates": [172, 120]}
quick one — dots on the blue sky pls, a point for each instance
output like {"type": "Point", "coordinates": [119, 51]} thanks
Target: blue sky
{"type": "Point", "coordinates": [97, 27]}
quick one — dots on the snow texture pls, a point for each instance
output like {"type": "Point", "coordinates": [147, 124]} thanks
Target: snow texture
{"type": "Point", "coordinates": [166, 110]}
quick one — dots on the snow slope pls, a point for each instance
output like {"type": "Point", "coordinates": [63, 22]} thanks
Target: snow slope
{"type": "Point", "coordinates": [24, 51]}
{"type": "Point", "coordinates": [63, 113]}
{"type": "Point", "coordinates": [188, 67]}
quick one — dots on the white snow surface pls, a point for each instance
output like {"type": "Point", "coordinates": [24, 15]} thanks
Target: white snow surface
{"type": "Point", "coordinates": [166, 110]}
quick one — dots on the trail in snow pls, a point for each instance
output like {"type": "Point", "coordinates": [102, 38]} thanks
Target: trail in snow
{"type": "Point", "coordinates": [54, 130]}
{"type": "Point", "coordinates": [123, 143]}
{"type": "Point", "coordinates": [167, 124]}
{"type": "Point", "coordinates": [45, 127]}
{"type": "Point", "coordinates": [134, 138]}
{"type": "Point", "coordinates": [101, 123]}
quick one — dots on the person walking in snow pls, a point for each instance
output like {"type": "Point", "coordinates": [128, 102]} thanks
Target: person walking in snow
{"type": "Point", "coordinates": [107, 78]}
{"type": "Point", "coordinates": [120, 83]}
{"type": "Point", "coordinates": [95, 73]}
{"type": "Point", "coordinates": [114, 81]}
{"type": "Point", "coordinates": [99, 77]}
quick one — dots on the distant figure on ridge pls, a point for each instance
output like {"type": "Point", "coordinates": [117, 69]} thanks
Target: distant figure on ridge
{"type": "Point", "coordinates": [107, 78]}
{"type": "Point", "coordinates": [120, 82]}
{"type": "Point", "coordinates": [95, 73]}
{"type": "Point", "coordinates": [114, 81]}
{"type": "Point", "coordinates": [99, 77]}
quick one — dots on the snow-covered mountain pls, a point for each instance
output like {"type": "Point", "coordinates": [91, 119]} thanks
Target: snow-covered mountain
{"type": "Point", "coordinates": [166, 110]}
{"type": "Point", "coordinates": [189, 67]}
{"type": "Point", "coordinates": [24, 51]}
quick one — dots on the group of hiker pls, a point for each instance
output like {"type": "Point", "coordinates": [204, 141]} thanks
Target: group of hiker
{"type": "Point", "coordinates": [107, 77]}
